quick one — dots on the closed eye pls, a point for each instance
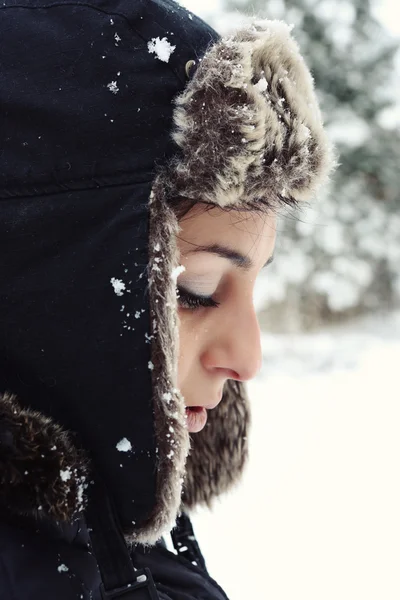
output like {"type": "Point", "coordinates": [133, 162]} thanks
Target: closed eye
{"type": "Point", "coordinates": [192, 301]}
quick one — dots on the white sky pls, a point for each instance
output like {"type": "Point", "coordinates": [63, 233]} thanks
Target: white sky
{"type": "Point", "coordinates": [388, 11]}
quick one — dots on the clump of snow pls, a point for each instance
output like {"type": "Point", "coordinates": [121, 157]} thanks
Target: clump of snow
{"type": "Point", "coordinates": [65, 475]}
{"type": "Point", "coordinates": [261, 85]}
{"type": "Point", "coordinates": [303, 132]}
{"type": "Point", "coordinates": [62, 568]}
{"type": "Point", "coordinates": [124, 445]}
{"type": "Point", "coordinates": [151, 365]}
{"type": "Point", "coordinates": [177, 271]}
{"type": "Point", "coordinates": [79, 492]}
{"type": "Point", "coordinates": [157, 260]}
{"type": "Point", "coordinates": [274, 26]}
{"type": "Point", "coordinates": [118, 285]}
{"type": "Point", "coordinates": [113, 87]}
{"type": "Point", "coordinates": [161, 48]}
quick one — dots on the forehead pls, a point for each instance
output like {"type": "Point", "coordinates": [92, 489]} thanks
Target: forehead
{"type": "Point", "coordinates": [248, 232]}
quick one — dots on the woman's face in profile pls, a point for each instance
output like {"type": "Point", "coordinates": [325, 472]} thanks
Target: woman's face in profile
{"type": "Point", "coordinates": [219, 336]}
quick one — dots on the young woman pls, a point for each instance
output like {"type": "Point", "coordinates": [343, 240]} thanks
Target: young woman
{"type": "Point", "coordinates": [144, 161]}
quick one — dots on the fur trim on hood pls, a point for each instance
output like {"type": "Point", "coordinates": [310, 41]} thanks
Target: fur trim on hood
{"type": "Point", "coordinates": [41, 471]}
{"type": "Point", "coordinates": [268, 147]}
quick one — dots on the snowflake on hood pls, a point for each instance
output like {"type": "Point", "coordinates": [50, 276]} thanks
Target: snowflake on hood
{"type": "Point", "coordinates": [161, 47]}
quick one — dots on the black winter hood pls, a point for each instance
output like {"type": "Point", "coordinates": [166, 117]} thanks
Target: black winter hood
{"type": "Point", "coordinates": [103, 121]}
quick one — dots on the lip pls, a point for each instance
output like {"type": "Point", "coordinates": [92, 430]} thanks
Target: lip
{"type": "Point", "coordinates": [196, 418]}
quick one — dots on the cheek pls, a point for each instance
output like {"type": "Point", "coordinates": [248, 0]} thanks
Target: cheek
{"type": "Point", "coordinates": [190, 343]}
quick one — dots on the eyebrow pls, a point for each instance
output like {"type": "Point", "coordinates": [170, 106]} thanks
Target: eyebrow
{"type": "Point", "coordinates": [238, 259]}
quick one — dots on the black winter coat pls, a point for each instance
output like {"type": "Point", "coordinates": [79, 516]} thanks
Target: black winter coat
{"type": "Point", "coordinates": [42, 561]}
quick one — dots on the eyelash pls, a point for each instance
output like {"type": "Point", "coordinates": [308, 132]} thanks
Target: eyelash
{"type": "Point", "coordinates": [191, 301]}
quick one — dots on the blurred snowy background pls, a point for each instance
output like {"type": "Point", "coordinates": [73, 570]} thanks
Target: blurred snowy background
{"type": "Point", "coordinates": [317, 515]}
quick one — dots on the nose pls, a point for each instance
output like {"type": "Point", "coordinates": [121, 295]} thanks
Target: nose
{"type": "Point", "coordinates": [235, 347]}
